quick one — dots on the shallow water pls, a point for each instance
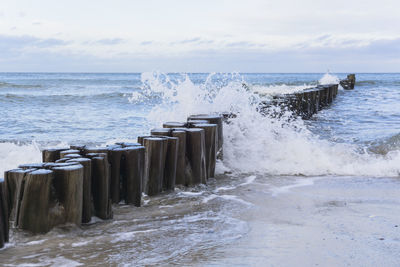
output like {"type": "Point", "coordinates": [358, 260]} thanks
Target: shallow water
{"type": "Point", "coordinates": [323, 191]}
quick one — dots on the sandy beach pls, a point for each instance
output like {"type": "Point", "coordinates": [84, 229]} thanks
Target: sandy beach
{"type": "Point", "coordinates": [321, 221]}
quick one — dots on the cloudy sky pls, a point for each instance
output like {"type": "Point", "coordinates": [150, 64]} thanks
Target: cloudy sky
{"type": "Point", "coordinates": [200, 36]}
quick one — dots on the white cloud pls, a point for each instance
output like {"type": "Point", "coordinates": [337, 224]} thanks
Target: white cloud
{"type": "Point", "coordinates": [183, 35]}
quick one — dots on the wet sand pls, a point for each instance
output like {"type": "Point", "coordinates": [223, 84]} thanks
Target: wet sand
{"type": "Point", "coordinates": [245, 220]}
{"type": "Point", "coordinates": [322, 221]}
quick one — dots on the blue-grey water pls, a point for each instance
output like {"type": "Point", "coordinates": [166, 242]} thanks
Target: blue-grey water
{"type": "Point", "coordinates": [230, 221]}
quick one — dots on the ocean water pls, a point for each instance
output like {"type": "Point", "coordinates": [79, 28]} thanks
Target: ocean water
{"type": "Point", "coordinates": [355, 140]}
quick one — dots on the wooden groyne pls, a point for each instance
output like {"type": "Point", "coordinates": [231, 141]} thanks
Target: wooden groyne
{"type": "Point", "coordinates": [307, 102]}
{"type": "Point", "coordinates": [73, 184]}
{"type": "Point", "coordinates": [349, 82]}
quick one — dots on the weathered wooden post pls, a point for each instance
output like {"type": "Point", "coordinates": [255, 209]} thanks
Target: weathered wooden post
{"type": "Point", "coordinates": [306, 107]}
{"type": "Point", "coordinates": [169, 179]}
{"type": "Point", "coordinates": [13, 183]}
{"type": "Point", "coordinates": [134, 171]}
{"type": "Point", "coordinates": [115, 155]}
{"type": "Point", "coordinates": [33, 207]}
{"type": "Point", "coordinates": [156, 149]}
{"type": "Point", "coordinates": [181, 159]}
{"type": "Point", "coordinates": [335, 90]}
{"type": "Point", "coordinates": [214, 119]}
{"type": "Point", "coordinates": [352, 80]}
{"type": "Point", "coordinates": [68, 183]}
{"type": "Point", "coordinates": [101, 185]}
{"type": "Point", "coordinates": [4, 224]}
{"type": "Point", "coordinates": [330, 94]}
{"type": "Point", "coordinates": [127, 164]}
{"type": "Point", "coordinates": [171, 161]}
{"type": "Point", "coordinates": [195, 144]}
{"type": "Point", "coordinates": [326, 94]}
{"type": "Point", "coordinates": [87, 201]}
{"type": "Point", "coordinates": [299, 101]}
{"type": "Point", "coordinates": [51, 154]}
{"type": "Point", "coordinates": [211, 142]}
{"type": "Point", "coordinates": [311, 109]}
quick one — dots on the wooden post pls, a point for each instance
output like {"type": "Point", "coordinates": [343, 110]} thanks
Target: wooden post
{"type": "Point", "coordinates": [4, 225]}
{"type": "Point", "coordinates": [87, 201]}
{"type": "Point", "coordinates": [34, 202]}
{"type": "Point", "coordinates": [13, 183]}
{"type": "Point", "coordinates": [335, 90]}
{"type": "Point", "coordinates": [169, 178]}
{"type": "Point", "coordinates": [330, 94]}
{"type": "Point", "coordinates": [68, 183]}
{"type": "Point", "coordinates": [214, 119]}
{"type": "Point", "coordinates": [101, 185]}
{"type": "Point", "coordinates": [211, 140]}
{"type": "Point", "coordinates": [116, 174]}
{"type": "Point", "coordinates": [352, 80]}
{"type": "Point", "coordinates": [134, 171]}
{"type": "Point", "coordinates": [156, 148]}
{"type": "Point", "coordinates": [305, 108]}
{"type": "Point", "coordinates": [51, 154]}
{"type": "Point", "coordinates": [171, 161]}
{"type": "Point", "coordinates": [195, 144]}
{"type": "Point", "coordinates": [181, 160]}
{"type": "Point", "coordinates": [299, 101]}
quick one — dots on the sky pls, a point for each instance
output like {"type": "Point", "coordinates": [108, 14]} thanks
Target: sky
{"type": "Point", "coordinates": [199, 36]}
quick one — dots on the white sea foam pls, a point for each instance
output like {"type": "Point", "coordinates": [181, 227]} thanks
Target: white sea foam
{"type": "Point", "coordinates": [127, 236]}
{"type": "Point", "coordinates": [278, 89]}
{"type": "Point", "coordinates": [260, 144]}
{"type": "Point", "coordinates": [226, 197]}
{"type": "Point", "coordinates": [12, 155]}
{"type": "Point", "coordinates": [329, 79]}
{"type": "Point", "coordinates": [298, 183]}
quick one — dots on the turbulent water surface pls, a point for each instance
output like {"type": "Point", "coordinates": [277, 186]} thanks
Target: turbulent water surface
{"type": "Point", "coordinates": [323, 191]}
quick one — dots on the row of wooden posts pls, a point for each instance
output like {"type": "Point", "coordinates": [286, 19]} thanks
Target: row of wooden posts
{"type": "Point", "coordinates": [307, 102]}
{"type": "Point", "coordinates": [73, 184]}
{"type": "Point", "coordinates": [304, 103]}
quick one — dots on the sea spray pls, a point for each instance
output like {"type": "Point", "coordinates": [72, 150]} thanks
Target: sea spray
{"type": "Point", "coordinates": [260, 144]}
{"type": "Point", "coordinates": [14, 154]}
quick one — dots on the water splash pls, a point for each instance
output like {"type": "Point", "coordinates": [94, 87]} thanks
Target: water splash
{"type": "Point", "coordinates": [329, 79]}
{"type": "Point", "coordinates": [14, 154]}
{"type": "Point", "coordinates": [256, 143]}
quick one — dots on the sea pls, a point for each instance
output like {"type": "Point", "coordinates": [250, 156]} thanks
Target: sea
{"type": "Point", "coordinates": [288, 192]}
